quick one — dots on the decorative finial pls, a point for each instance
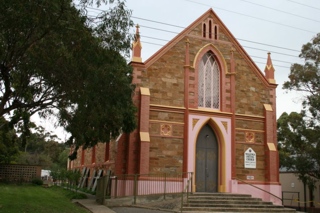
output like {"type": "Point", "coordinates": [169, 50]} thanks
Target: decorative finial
{"type": "Point", "coordinates": [136, 46]}
{"type": "Point", "coordinates": [269, 70]}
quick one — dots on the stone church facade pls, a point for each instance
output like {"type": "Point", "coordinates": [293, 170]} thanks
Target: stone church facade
{"type": "Point", "coordinates": [203, 107]}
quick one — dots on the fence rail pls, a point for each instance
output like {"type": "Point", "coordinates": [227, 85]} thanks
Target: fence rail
{"type": "Point", "coordinates": [292, 199]}
{"type": "Point", "coordinates": [148, 184]}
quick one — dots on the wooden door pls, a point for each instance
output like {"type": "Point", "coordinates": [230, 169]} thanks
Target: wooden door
{"type": "Point", "coordinates": [207, 161]}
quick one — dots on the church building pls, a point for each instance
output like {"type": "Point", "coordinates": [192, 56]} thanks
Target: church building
{"type": "Point", "coordinates": [203, 107]}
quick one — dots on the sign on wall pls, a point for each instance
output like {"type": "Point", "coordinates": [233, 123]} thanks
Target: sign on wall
{"type": "Point", "coordinates": [250, 159]}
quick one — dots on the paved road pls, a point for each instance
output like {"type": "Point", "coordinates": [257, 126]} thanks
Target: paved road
{"type": "Point", "coordinates": [136, 210]}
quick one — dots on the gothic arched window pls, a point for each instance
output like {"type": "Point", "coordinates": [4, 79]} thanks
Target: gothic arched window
{"type": "Point", "coordinates": [209, 82]}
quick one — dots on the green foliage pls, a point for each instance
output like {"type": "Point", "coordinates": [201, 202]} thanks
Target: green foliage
{"type": "Point", "coordinates": [299, 147]}
{"type": "Point", "coordinates": [63, 158]}
{"type": "Point", "coordinates": [305, 78]}
{"type": "Point", "coordinates": [34, 159]}
{"type": "Point", "coordinates": [73, 177]}
{"type": "Point", "coordinates": [76, 195]}
{"type": "Point", "coordinates": [37, 181]}
{"type": "Point", "coordinates": [56, 60]}
{"type": "Point", "coordinates": [298, 144]}
{"type": "Point", "coordinates": [40, 148]}
{"type": "Point", "coordinates": [8, 143]}
{"type": "Point", "coordinates": [30, 198]}
{"type": "Point", "coordinates": [66, 176]}
{"type": "Point", "coordinates": [299, 133]}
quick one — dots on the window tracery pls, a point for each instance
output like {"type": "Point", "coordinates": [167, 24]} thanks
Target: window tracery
{"type": "Point", "coordinates": [209, 82]}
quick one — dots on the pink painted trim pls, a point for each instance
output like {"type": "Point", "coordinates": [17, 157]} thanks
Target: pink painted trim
{"type": "Point", "coordinates": [224, 137]}
{"type": "Point", "coordinates": [247, 189]}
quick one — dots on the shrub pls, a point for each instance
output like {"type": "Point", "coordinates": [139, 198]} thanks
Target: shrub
{"type": "Point", "coordinates": [79, 196]}
{"type": "Point", "coordinates": [37, 181]}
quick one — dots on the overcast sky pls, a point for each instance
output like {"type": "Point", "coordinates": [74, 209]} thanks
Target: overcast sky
{"type": "Point", "coordinates": [280, 27]}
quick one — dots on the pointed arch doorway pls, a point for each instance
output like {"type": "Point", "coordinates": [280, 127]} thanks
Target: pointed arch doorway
{"type": "Point", "coordinates": [207, 157]}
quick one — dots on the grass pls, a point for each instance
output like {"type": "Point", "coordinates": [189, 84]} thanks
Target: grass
{"type": "Point", "coordinates": [30, 198]}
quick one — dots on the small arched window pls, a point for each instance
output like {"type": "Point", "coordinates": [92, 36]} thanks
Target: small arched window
{"type": "Point", "coordinates": [209, 82]}
{"type": "Point", "coordinates": [215, 32]}
{"type": "Point", "coordinates": [210, 29]}
{"type": "Point", "coordinates": [204, 30]}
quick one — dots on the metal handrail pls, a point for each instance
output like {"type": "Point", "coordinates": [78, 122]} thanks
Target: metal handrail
{"type": "Point", "coordinates": [260, 189]}
{"type": "Point", "coordinates": [186, 188]}
{"type": "Point", "coordinates": [291, 199]}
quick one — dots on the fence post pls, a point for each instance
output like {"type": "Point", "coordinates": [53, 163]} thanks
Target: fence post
{"type": "Point", "coordinates": [181, 201]}
{"type": "Point", "coordinates": [187, 191]}
{"type": "Point", "coordinates": [135, 189]}
{"type": "Point", "coordinates": [299, 201]}
{"type": "Point", "coordinates": [101, 190]}
{"type": "Point", "coordinates": [165, 185]}
{"type": "Point", "coordinates": [191, 182]}
{"type": "Point", "coordinates": [115, 186]}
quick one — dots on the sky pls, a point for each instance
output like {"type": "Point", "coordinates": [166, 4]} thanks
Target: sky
{"type": "Point", "coordinates": [280, 27]}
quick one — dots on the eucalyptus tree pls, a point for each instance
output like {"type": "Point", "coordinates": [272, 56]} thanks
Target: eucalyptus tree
{"type": "Point", "coordinates": [58, 59]}
{"type": "Point", "coordinates": [299, 133]}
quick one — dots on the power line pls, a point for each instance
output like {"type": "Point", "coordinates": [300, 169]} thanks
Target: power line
{"type": "Point", "coordinates": [268, 45]}
{"type": "Point", "coordinates": [261, 19]}
{"type": "Point", "coordinates": [239, 39]}
{"type": "Point", "coordinates": [287, 62]}
{"type": "Point", "coordinates": [254, 48]}
{"type": "Point", "coordinates": [316, 8]}
{"type": "Point", "coordinates": [153, 28]}
{"type": "Point", "coordinates": [235, 13]}
{"type": "Point", "coordinates": [145, 42]}
{"type": "Point", "coordinates": [270, 8]}
{"type": "Point", "coordinates": [165, 40]}
{"type": "Point", "coordinates": [163, 23]}
{"type": "Point", "coordinates": [158, 22]}
{"type": "Point", "coordinates": [160, 39]}
{"type": "Point", "coordinates": [167, 24]}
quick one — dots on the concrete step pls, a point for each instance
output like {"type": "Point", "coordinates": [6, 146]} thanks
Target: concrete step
{"type": "Point", "coordinates": [235, 209]}
{"type": "Point", "coordinates": [209, 199]}
{"type": "Point", "coordinates": [220, 194]}
{"type": "Point", "coordinates": [218, 201]}
{"type": "Point", "coordinates": [227, 202]}
{"type": "Point", "coordinates": [252, 205]}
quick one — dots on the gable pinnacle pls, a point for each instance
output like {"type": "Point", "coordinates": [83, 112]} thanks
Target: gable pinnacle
{"type": "Point", "coordinates": [269, 70]}
{"type": "Point", "coordinates": [136, 47]}
{"type": "Point", "coordinates": [137, 35]}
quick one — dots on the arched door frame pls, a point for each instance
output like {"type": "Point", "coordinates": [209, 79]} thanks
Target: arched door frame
{"type": "Point", "coordinates": [221, 152]}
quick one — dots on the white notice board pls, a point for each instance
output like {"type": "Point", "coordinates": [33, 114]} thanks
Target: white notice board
{"type": "Point", "coordinates": [250, 159]}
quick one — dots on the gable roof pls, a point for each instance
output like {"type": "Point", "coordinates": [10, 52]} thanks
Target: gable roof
{"type": "Point", "coordinates": [232, 39]}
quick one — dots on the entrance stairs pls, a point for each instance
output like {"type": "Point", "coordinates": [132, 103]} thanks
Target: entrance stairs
{"type": "Point", "coordinates": [226, 202]}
